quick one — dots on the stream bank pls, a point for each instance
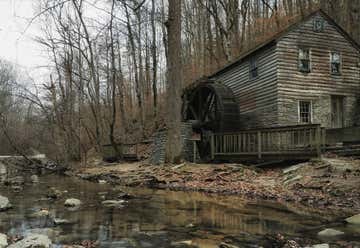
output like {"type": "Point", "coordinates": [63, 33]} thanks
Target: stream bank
{"type": "Point", "coordinates": [111, 215]}
{"type": "Point", "coordinates": [329, 184]}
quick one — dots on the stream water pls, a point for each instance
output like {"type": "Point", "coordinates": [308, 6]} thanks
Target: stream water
{"type": "Point", "coordinates": [156, 218]}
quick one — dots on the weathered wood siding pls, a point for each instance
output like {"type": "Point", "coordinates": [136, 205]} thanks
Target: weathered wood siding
{"type": "Point", "coordinates": [257, 98]}
{"type": "Point", "coordinates": [318, 85]}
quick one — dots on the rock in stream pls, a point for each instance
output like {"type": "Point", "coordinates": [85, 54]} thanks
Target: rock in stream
{"type": "Point", "coordinates": [4, 203]}
{"type": "Point", "coordinates": [329, 232]}
{"type": "Point", "coordinates": [33, 240]}
{"type": "Point", "coordinates": [34, 179]}
{"type": "Point", "coordinates": [3, 240]}
{"type": "Point", "coordinates": [355, 220]}
{"type": "Point", "coordinates": [72, 202]}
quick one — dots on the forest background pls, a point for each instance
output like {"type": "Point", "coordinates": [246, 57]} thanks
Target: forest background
{"type": "Point", "coordinates": [108, 73]}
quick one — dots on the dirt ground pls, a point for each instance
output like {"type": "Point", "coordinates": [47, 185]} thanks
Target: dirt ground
{"type": "Point", "coordinates": [329, 183]}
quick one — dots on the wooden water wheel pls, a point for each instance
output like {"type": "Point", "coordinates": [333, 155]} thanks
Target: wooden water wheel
{"type": "Point", "coordinates": [211, 108]}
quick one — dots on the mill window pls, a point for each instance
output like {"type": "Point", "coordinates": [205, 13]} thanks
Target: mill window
{"type": "Point", "coordinates": [304, 60]}
{"type": "Point", "coordinates": [305, 111]}
{"type": "Point", "coordinates": [318, 25]}
{"type": "Point", "coordinates": [335, 61]}
{"type": "Point", "coordinates": [253, 70]}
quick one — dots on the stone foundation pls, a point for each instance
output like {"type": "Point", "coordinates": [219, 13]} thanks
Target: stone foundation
{"type": "Point", "coordinates": [160, 139]}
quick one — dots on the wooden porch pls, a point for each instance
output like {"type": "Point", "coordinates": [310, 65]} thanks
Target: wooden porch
{"type": "Point", "coordinates": [278, 143]}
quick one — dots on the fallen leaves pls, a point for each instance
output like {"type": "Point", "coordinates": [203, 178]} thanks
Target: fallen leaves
{"type": "Point", "coordinates": [320, 184]}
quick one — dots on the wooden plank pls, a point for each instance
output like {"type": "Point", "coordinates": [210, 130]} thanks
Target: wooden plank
{"type": "Point", "coordinates": [318, 141]}
{"type": "Point", "coordinates": [259, 141]}
{"type": "Point", "coordinates": [212, 145]}
{"type": "Point", "coordinates": [194, 151]}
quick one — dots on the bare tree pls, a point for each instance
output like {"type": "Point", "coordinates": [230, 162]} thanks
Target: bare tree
{"type": "Point", "coordinates": [174, 83]}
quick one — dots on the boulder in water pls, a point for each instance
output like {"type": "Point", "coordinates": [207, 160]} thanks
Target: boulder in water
{"type": "Point", "coordinates": [34, 179]}
{"type": "Point", "coordinates": [183, 244]}
{"type": "Point", "coordinates": [125, 196]}
{"type": "Point", "coordinates": [4, 203]}
{"type": "Point", "coordinates": [58, 221]}
{"type": "Point", "coordinates": [354, 220]}
{"type": "Point", "coordinates": [17, 188]}
{"type": "Point", "coordinates": [321, 246]}
{"type": "Point", "coordinates": [54, 193]}
{"type": "Point", "coordinates": [3, 240]}
{"type": "Point", "coordinates": [113, 203]}
{"type": "Point", "coordinates": [41, 213]}
{"type": "Point", "coordinates": [33, 240]}
{"type": "Point", "coordinates": [3, 169]}
{"type": "Point", "coordinates": [225, 245]}
{"type": "Point", "coordinates": [72, 202]}
{"type": "Point", "coordinates": [329, 232]}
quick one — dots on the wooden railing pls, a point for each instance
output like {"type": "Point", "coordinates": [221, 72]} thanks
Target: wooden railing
{"type": "Point", "coordinates": [302, 139]}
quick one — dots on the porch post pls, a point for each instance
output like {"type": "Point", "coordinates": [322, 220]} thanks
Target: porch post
{"type": "Point", "coordinates": [259, 144]}
{"type": "Point", "coordinates": [212, 145]}
{"type": "Point", "coordinates": [318, 141]}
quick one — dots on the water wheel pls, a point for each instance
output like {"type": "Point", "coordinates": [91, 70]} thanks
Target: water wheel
{"type": "Point", "coordinates": [211, 108]}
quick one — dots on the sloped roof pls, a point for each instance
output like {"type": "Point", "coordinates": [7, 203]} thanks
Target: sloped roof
{"type": "Point", "coordinates": [282, 33]}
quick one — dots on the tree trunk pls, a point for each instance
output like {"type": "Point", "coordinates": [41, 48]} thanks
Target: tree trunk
{"type": "Point", "coordinates": [174, 83]}
{"type": "Point", "coordinates": [154, 59]}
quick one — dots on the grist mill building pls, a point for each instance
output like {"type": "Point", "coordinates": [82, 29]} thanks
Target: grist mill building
{"type": "Point", "coordinates": [307, 74]}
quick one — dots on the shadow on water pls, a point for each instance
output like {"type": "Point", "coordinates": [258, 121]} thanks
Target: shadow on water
{"type": "Point", "coordinates": [154, 218]}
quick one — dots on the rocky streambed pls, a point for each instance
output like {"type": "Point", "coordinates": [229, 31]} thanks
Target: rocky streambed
{"type": "Point", "coordinates": [50, 210]}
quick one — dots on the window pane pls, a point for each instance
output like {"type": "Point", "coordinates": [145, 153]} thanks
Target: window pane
{"type": "Point", "coordinates": [318, 25]}
{"type": "Point", "coordinates": [304, 60]}
{"type": "Point", "coordinates": [305, 111]}
{"type": "Point", "coordinates": [303, 54]}
{"type": "Point", "coordinates": [252, 64]}
{"type": "Point", "coordinates": [335, 67]}
{"type": "Point", "coordinates": [253, 68]}
{"type": "Point", "coordinates": [335, 62]}
{"type": "Point", "coordinates": [304, 65]}
{"type": "Point", "coordinates": [335, 57]}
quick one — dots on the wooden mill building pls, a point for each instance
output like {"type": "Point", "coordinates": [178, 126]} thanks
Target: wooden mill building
{"type": "Point", "coordinates": [307, 74]}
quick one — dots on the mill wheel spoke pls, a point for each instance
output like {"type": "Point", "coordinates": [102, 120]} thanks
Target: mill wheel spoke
{"type": "Point", "coordinates": [208, 106]}
{"type": "Point", "coordinates": [193, 112]}
{"type": "Point", "coordinates": [200, 101]}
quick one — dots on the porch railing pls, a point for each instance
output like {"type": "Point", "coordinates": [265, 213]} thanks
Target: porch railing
{"type": "Point", "coordinates": [301, 139]}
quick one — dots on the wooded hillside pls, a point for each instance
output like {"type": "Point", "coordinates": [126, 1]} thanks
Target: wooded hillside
{"type": "Point", "coordinates": [108, 64]}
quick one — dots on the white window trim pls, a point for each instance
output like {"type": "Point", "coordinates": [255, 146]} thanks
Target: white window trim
{"type": "Point", "coordinates": [311, 111]}
{"type": "Point", "coordinates": [341, 62]}
{"type": "Point", "coordinates": [310, 61]}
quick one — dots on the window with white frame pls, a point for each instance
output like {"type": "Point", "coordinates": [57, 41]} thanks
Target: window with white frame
{"type": "Point", "coordinates": [304, 60]}
{"type": "Point", "coordinates": [305, 111]}
{"type": "Point", "coordinates": [335, 62]}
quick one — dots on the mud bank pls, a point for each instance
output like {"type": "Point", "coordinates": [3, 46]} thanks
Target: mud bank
{"type": "Point", "coordinates": [331, 184]}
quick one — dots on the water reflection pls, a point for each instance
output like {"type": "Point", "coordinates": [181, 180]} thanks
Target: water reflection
{"type": "Point", "coordinates": [182, 215]}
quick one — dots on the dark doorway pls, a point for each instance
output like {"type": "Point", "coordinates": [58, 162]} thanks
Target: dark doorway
{"type": "Point", "coordinates": [337, 111]}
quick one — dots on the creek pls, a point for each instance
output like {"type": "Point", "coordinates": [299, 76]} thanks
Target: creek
{"type": "Point", "coordinates": [157, 218]}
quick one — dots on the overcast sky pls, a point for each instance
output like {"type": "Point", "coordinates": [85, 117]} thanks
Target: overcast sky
{"type": "Point", "coordinates": [15, 45]}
